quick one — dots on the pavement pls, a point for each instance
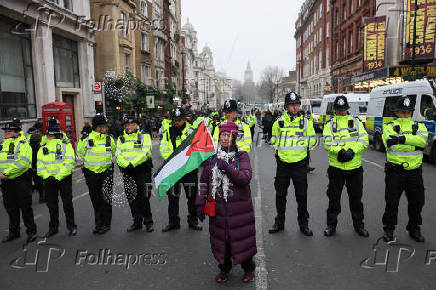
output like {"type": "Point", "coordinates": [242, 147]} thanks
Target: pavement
{"type": "Point", "coordinates": [182, 259]}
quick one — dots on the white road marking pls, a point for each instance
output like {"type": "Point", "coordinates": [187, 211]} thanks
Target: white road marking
{"type": "Point", "coordinates": [80, 196]}
{"type": "Point", "coordinates": [261, 270]}
{"type": "Point", "coordinates": [373, 163]}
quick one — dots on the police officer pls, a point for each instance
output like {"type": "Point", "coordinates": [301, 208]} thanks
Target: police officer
{"type": "Point", "coordinates": [97, 150]}
{"type": "Point", "coordinates": [250, 120]}
{"type": "Point", "coordinates": [345, 139]}
{"type": "Point", "coordinates": [405, 141]}
{"type": "Point", "coordinates": [173, 136]}
{"type": "Point", "coordinates": [134, 159]}
{"type": "Point", "coordinates": [292, 135]}
{"type": "Point", "coordinates": [244, 134]}
{"type": "Point", "coordinates": [16, 182]}
{"type": "Point", "coordinates": [56, 161]}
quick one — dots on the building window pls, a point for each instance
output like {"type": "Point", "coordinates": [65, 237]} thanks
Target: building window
{"type": "Point", "coordinates": [146, 74]}
{"type": "Point", "coordinates": [327, 29]}
{"type": "Point", "coordinates": [351, 41]}
{"type": "Point", "coordinates": [344, 11]}
{"type": "Point", "coordinates": [66, 63]}
{"type": "Point", "coordinates": [320, 60]}
{"type": "Point", "coordinates": [127, 62]}
{"type": "Point", "coordinates": [327, 7]}
{"type": "Point", "coordinates": [344, 53]}
{"type": "Point", "coordinates": [337, 16]}
{"type": "Point", "coordinates": [320, 34]}
{"type": "Point", "coordinates": [144, 41]}
{"type": "Point", "coordinates": [68, 4]}
{"type": "Point", "coordinates": [123, 23]}
{"type": "Point", "coordinates": [352, 6]}
{"type": "Point", "coordinates": [17, 95]}
{"type": "Point", "coordinates": [144, 8]}
{"type": "Point", "coordinates": [327, 57]}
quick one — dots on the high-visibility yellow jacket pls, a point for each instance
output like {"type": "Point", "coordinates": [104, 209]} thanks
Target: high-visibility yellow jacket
{"type": "Point", "coordinates": [134, 148]}
{"type": "Point", "coordinates": [15, 157]}
{"type": "Point", "coordinates": [166, 145]}
{"type": "Point", "coordinates": [64, 138]}
{"type": "Point", "coordinates": [55, 158]}
{"type": "Point", "coordinates": [293, 138]}
{"type": "Point", "coordinates": [410, 154]}
{"type": "Point", "coordinates": [97, 151]}
{"type": "Point", "coordinates": [244, 136]}
{"type": "Point", "coordinates": [250, 120]}
{"type": "Point", "coordinates": [345, 132]}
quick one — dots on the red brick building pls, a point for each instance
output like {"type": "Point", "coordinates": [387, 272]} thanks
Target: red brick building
{"type": "Point", "coordinates": [313, 38]}
{"type": "Point", "coordinates": [347, 41]}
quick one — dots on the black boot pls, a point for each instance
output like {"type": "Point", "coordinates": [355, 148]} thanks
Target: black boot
{"type": "Point", "coordinates": [171, 227]}
{"type": "Point", "coordinates": [72, 232]}
{"type": "Point", "coordinates": [149, 227]}
{"type": "Point", "coordinates": [195, 226]}
{"type": "Point", "coordinates": [277, 227]}
{"type": "Point", "coordinates": [306, 231]}
{"type": "Point", "coordinates": [388, 235]}
{"type": "Point", "coordinates": [31, 237]}
{"type": "Point", "coordinates": [51, 232]}
{"type": "Point", "coordinates": [416, 235]}
{"type": "Point", "coordinates": [134, 227]}
{"type": "Point", "coordinates": [361, 231]}
{"type": "Point", "coordinates": [10, 237]}
{"type": "Point", "coordinates": [330, 231]}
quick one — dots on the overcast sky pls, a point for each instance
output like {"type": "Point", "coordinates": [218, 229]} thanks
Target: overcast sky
{"type": "Point", "coordinates": [239, 31]}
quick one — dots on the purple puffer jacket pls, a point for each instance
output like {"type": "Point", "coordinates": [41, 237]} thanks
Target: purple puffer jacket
{"type": "Point", "coordinates": [234, 220]}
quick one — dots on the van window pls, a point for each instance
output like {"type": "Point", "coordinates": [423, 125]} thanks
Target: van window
{"type": "Point", "coordinates": [329, 110]}
{"type": "Point", "coordinates": [358, 108]}
{"type": "Point", "coordinates": [316, 109]}
{"type": "Point", "coordinates": [390, 104]}
{"type": "Point", "coordinates": [426, 103]}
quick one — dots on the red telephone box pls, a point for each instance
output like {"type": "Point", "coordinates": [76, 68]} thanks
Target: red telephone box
{"type": "Point", "coordinates": [63, 112]}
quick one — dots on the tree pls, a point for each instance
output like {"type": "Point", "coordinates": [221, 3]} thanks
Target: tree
{"type": "Point", "coordinates": [269, 81]}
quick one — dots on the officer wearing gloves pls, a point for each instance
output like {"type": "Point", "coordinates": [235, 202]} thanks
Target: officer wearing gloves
{"type": "Point", "coordinates": [97, 150]}
{"type": "Point", "coordinates": [345, 139]}
{"type": "Point", "coordinates": [292, 136]}
{"type": "Point", "coordinates": [405, 141]}
{"type": "Point", "coordinates": [16, 182]}
{"type": "Point", "coordinates": [243, 141]}
{"type": "Point", "coordinates": [172, 137]}
{"type": "Point", "coordinates": [55, 164]}
{"type": "Point", "coordinates": [134, 159]}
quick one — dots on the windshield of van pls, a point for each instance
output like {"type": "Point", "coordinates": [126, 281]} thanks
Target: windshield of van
{"type": "Point", "coordinates": [316, 109]}
{"type": "Point", "coordinates": [358, 108]}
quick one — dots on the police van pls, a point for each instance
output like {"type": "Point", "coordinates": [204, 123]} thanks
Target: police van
{"type": "Point", "coordinates": [383, 101]}
{"type": "Point", "coordinates": [313, 107]}
{"type": "Point", "coordinates": [358, 106]}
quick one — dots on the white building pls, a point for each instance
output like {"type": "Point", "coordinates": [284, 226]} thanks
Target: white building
{"type": "Point", "coordinates": [205, 87]}
{"type": "Point", "coordinates": [46, 54]}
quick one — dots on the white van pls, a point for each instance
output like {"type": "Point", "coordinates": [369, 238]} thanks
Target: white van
{"type": "Point", "coordinates": [313, 106]}
{"type": "Point", "coordinates": [383, 101]}
{"type": "Point", "coordinates": [358, 106]}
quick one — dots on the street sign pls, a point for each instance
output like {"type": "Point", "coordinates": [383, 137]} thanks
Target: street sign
{"type": "Point", "coordinates": [150, 102]}
{"type": "Point", "coordinates": [110, 74]}
{"type": "Point", "coordinates": [97, 87]}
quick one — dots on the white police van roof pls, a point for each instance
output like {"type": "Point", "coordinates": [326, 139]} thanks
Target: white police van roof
{"type": "Point", "coordinates": [351, 97]}
{"type": "Point", "coordinates": [402, 89]}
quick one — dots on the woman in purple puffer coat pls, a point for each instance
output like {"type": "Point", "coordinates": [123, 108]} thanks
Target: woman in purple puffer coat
{"type": "Point", "coordinates": [226, 177]}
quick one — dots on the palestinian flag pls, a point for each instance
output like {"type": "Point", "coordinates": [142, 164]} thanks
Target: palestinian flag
{"type": "Point", "coordinates": [193, 151]}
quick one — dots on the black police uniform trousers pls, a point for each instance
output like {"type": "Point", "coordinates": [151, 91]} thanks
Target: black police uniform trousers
{"type": "Point", "coordinates": [296, 171]}
{"type": "Point", "coordinates": [252, 132]}
{"type": "Point", "coordinates": [52, 190]}
{"type": "Point", "coordinates": [397, 180]}
{"type": "Point", "coordinates": [190, 184]}
{"type": "Point", "coordinates": [17, 195]}
{"type": "Point", "coordinates": [353, 179]}
{"type": "Point", "coordinates": [140, 204]}
{"type": "Point", "coordinates": [102, 204]}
